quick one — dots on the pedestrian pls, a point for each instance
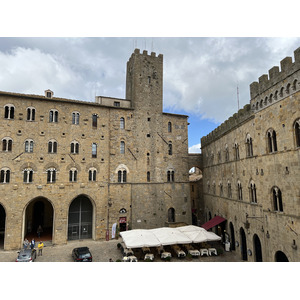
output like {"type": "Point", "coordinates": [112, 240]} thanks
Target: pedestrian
{"type": "Point", "coordinates": [39, 231]}
{"type": "Point", "coordinates": [40, 246]}
{"type": "Point", "coordinates": [25, 244]}
{"type": "Point", "coordinates": [32, 244]}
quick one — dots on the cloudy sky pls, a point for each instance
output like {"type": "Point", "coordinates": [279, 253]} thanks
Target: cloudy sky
{"type": "Point", "coordinates": [202, 69]}
{"type": "Point", "coordinates": [201, 75]}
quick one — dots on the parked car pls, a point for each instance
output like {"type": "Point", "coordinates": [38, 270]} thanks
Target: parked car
{"type": "Point", "coordinates": [82, 254]}
{"type": "Point", "coordinates": [27, 255]}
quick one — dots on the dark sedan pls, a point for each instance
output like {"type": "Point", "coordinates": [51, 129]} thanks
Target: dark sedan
{"type": "Point", "coordinates": [82, 254]}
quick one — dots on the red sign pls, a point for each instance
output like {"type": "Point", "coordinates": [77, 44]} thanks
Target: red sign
{"type": "Point", "coordinates": [122, 220]}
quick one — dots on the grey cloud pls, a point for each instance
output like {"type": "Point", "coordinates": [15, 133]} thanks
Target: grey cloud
{"type": "Point", "coordinates": [200, 74]}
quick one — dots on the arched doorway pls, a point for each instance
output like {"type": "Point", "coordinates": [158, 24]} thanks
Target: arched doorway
{"type": "Point", "coordinates": [232, 237]}
{"type": "Point", "coordinates": [39, 212]}
{"type": "Point", "coordinates": [2, 226]}
{"type": "Point", "coordinates": [257, 248]}
{"type": "Point", "coordinates": [171, 215]}
{"type": "Point", "coordinates": [80, 223]}
{"type": "Point", "coordinates": [243, 244]}
{"type": "Point", "coordinates": [280, 257]}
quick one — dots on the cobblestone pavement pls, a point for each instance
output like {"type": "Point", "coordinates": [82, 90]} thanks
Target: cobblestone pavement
{"type": "Point", "coordinates": [102, 251]}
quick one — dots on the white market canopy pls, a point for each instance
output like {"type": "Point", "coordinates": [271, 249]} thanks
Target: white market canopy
{"type": "Point", "coordinates": [138, 238]}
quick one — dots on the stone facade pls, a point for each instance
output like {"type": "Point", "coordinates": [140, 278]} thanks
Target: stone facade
{"type": "Point", "coordinates": [78, 167]}
{"type": "Point", "coordinates": [251, 169]}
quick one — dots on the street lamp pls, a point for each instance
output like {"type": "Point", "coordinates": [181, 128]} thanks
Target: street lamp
{"type": "Point", "coordinates": [107, 227]}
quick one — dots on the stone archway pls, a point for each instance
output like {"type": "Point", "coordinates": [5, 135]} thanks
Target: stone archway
{"type": "Point", "coordinates": [257, 248]}
{"type": "Point", "coordinates": [280, 257]}
{"type": "Point", "coordinates": [243, 244]}
{"type": "Point", "coordinates": [80, 221]}
{"type": "Point", "coordinates": [232, 236]}
{"type": "Point", "coordinates": [2, 226]}
{"type": "Point", "coordinates": [39, 212]}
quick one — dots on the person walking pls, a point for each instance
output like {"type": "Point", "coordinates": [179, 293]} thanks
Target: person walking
{"type": "Point", "coordinates": [25, 244]}
{"type": "Point", "coordinates": [32, 244]}
{"type": "Point", "coordinates": [40, 247]}
{"type": "Point", "coordinates": [39, 231]}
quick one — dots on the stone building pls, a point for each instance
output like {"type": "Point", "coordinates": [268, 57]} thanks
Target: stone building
{"type": "Point", "coordinates": [251, 169]}
{"type": "Point", "coordinates": [77, 167]}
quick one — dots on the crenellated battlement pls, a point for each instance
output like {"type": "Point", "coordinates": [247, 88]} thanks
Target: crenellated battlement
{"type": "Point", "coordinates": [145, 53]}
{"type": "Point", "coordinates": [234, 121]}
{"type": "Point", "coordinates": [275, 76]}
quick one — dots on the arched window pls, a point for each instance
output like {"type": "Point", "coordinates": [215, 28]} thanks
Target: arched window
{"type": "Point", "coordinates": [122, 123]}
{"type": "Point", "coordinates": [27, 175]}
{"type": "Point", "coordinates": [92, 174]}
{"type": "Point", "coordinates": [75, 118]}
{"type": "Point", "coordinates": [171, 215]}
{"type": "Point", "coordinates": [73, 175]}
{"type": "Point", "coordinates": [52, 146]}
{"type": "Point", "coordinates": [287, 90]}
{"type": "Point", "coordinates": [94, 120]}
{"type": "Point", "coordinates": [29, 145]}
{"type": "Point", "coordinates": [297, 132]}
{"type": "Point", "coordinates": [122, 147]}
{"type": "Point", "coordinates": [5, 175]}
{"type": "Point", "coordinates": [226, 153]}
{"type": "Point", "coordinates": [7, 144]}
{"type": "Point", "coordinates": [74, 147]}
{"type": "Point", "coordinates": [236, 151]}
{"type": "Point", "coordinates": [277, 199]}
{"type": "Point", "coordinates": [53, 116]}
{"type": "Point", "coordinates": [294, 87]}
{"type": "Point", "coordinates": [170, 148]}
{"type": "Point", "coordinates": [281, 92]}
{"type": "Point", "coordinates": [148, 176]}
{"type": "Point", "coordinates": [9, 112]}
{"type": "Point", "coordinates": [214, 187]}
{"type": "Point", "coordinates": [272, 143]}
{"type": "Point", "coordinates": [208, 186]}
{"type": "Point", "coordinates": [170, 176]}
{"type": "Point", "coordinates": [219, 156]}
{"type": "Point", "coordinates": [169, 127]}
{"type": "Point", "coordinates": [122, 174]}
{"type": "Point", "coordinates": [252, 190]}
{"type": "Point", "coordinates": [30, 114]}
{"type": "Point", "coordinates": [51, 175]}
{"type": "Point", "coordinates": [249, 146]}
{"type": "Point", "coordinates": [221, 188]}
{"type": "Point", "coordinates": [229, 191]}
{"type": "Point", "coordinates": [94, 150]}
{"type": "Point", "coordinates": [271, 98]}
{"type": "Point", "coordinates": [240, 190]}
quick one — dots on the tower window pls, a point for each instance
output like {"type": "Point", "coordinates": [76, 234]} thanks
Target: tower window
{"type": "Point", "coordinates": [122, 147]}
{"type": "Point", "coordinates": [94, 120]}
{"type": "Point", "coordinates": [94, 150]}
